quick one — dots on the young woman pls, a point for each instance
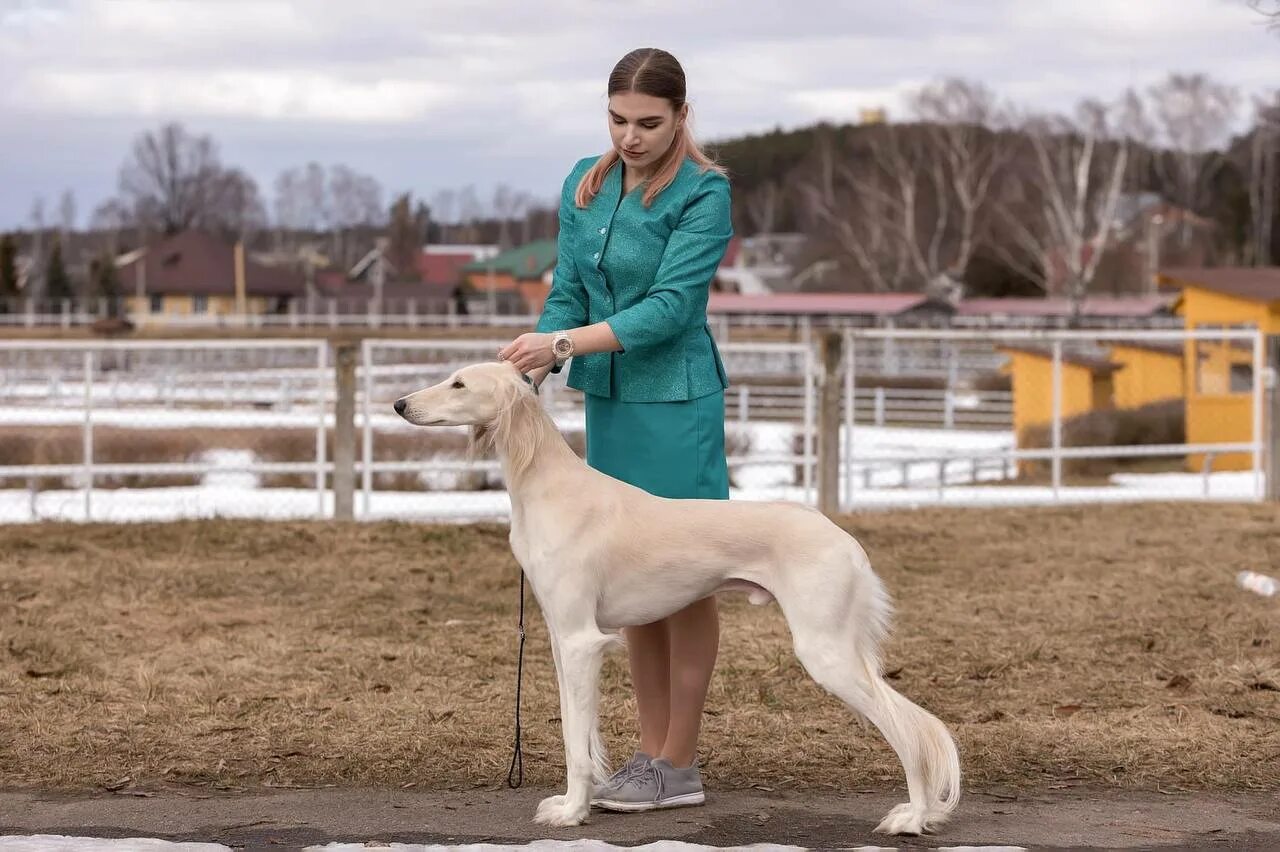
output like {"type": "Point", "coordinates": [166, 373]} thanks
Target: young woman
{"type": "Point", "coordinates": [642, 230]}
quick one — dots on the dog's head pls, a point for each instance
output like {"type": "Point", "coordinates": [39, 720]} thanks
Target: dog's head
{"type": "Point", "coordinates": [476, 395]}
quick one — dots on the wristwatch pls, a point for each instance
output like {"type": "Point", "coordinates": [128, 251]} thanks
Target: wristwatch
{"type": "Point", "coordinates": [561, 347]}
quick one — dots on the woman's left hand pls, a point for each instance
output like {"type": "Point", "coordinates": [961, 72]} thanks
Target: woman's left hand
{"type": "Point", "coordinates": [528, 351]}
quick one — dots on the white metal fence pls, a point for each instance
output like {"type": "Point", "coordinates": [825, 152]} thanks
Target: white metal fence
{"type": "Point", "coordinates": [162, 429]}
{"type": "Point", "coordinates": [125, 430]}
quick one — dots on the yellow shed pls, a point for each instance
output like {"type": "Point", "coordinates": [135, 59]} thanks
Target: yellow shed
{"type": "Point", "coordinates": [1219, 374]}
{"type": "Point", "coordinates": [1086, 386]}
{"type": "Point", "coordinates": [1149, 371]}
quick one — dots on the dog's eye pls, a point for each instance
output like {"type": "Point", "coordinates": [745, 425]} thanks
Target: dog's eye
{"type": "Point", "coordinates": [457, 385]}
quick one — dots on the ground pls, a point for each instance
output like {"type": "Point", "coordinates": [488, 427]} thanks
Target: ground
{"type": "Point", "coordinates": [276, 819]}
{"type": "Point", "coordinates": [1102, 652]}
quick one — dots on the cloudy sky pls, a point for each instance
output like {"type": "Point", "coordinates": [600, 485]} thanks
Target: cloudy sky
{"type": "Point", "coordinates": [427, 94]}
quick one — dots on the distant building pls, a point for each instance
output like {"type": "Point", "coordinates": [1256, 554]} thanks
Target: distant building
{"type": "Point", "coordinates": [1220, 375]}
{"type": "Point", "coordinates": [514, 281]}
{"type": "Point", "coordinates": [199, 273]}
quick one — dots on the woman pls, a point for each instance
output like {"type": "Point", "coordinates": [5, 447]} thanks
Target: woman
{"type": "Point", "coordinates": [642, 230]}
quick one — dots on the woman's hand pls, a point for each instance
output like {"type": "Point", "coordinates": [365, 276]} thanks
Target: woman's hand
{"type": "Point", "coordinates": [528, 351]}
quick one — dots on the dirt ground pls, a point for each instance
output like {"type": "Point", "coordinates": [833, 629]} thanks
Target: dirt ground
{"type": "Point", "coordinates": [272, 685]}
{"type": "Point", "coordinates": [1103, 646]}
{"type": "Point", "coordinates": [1000, 819]}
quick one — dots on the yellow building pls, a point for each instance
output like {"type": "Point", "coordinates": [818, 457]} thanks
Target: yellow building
{"type": "Point", "coordinates": [1147, 372]}
{"type": "Point", "coordinates": [1087, 385]}
{"type": "Point", "coordinates": [1219, 374]}
{"type": "Point", "coordinates": [198, 273]}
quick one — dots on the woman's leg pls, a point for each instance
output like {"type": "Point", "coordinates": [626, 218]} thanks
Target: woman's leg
{"type": "Point", "coordinates": [694, 636]}
{"type": "Point", "coordinates": [649, 649]}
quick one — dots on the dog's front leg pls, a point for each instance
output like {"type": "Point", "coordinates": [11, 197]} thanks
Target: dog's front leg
{"type": "Point", "coordinates": [578, 659]}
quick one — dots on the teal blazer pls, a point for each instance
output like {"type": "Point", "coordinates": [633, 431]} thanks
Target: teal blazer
{"type": "Point", "coordinates": [647, 272]}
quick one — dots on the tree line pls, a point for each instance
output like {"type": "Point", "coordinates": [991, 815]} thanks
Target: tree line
{"type": "Point", "coordinates": [974, 193]}
{"type": "Point", "coordinates": [970, 193]}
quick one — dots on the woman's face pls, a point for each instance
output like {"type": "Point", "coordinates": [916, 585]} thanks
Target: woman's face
{"type": "Point", "coordinates": [642, 128]}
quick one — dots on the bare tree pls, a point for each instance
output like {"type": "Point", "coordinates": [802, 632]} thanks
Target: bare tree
{"type": "Point", "coordinates": [469, 212]}
{"type": "Point", "coordinates": [1061, 225]}
{"type": "Point", "coordinates": [168, 176]}
{"type": "Point", "coordinates": [846, 214]}
{"type": "Point", "coordinates": [1193, 116]}
{"type": "Point", "coordinates": [356, 199]}
{"type": "Point", "coordinates": [1270, 9]}
{"type": "Point", "coordinates": [35, 278]}
{"type": "Point", "coordinates": [174, 181]}
{"type": "Point", "coordinates": [1264, 177]}
{"type": "Point", "coordinates": [233, 204]}
{"type": "Point", "coordinates": [762, 207]}
{"type": "Point", "coordinates": [442, 204]}
{"type": "Point", "coordinates": [108, 219]}
{"type": "Point", "coordinates": [67, 214]}
{"type": "Point", "coordinates": [913, 204]}
{"type": "Point", "coordinates": [290, 205]}
{"type": "Point", "coordinates": [506, 206]}
{"type": "Point", "coordinates": [964, 155]}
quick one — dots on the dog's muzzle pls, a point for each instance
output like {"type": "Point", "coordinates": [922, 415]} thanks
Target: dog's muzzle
{"type": "Point", "coordinates": [400, 406]}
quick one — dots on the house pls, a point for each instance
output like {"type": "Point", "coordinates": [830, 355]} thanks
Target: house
{"type": "Point", "coordinates": [1147, 371]}
{"type": "Point", "coordinates": [1219, 374]}
{"type": "Point", "coordinates": [514, 281]}
{"type": "Point", "coordinates": [194, 273]}
{"type": "Point", "coordinates": [440, 266]}
{"type": "Point", "coordinates": [1087, 385]}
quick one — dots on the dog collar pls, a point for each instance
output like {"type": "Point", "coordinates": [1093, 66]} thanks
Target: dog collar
{"type": "Point", "coordinates": [529, 382]}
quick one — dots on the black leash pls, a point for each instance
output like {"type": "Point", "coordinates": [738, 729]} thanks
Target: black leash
{"type": "Point", "coordinates": [517, 757]}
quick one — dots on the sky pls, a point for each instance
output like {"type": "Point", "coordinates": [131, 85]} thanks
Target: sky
{"type": "Point", "coordinates": [432, 94]}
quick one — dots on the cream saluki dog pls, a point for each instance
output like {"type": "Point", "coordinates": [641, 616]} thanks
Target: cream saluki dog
{"type": "Point", "coordinates": [601, 554]}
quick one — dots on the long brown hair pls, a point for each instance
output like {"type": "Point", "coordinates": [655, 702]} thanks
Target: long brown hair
{"type": "Point", "coordinates": [653, 72]}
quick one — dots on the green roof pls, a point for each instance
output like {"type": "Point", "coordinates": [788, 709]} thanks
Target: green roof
{"type": "Point", "coordinates": [527, 261]}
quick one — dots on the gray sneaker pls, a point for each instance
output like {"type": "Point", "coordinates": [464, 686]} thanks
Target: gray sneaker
{"type": "Point", "coordinates": [637, 764]}
{"type": "Point", "coordinates": [657, 785]}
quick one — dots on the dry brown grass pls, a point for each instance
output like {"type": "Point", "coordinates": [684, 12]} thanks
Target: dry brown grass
{"type": "Point", "coordinates": [1106, 644]}
{"type": "Point", "coordinates": [47, 445]}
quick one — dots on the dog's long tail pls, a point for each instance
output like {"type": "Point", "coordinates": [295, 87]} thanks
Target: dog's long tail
{"type": "Point", "coordinates": [837, 635]}
{"type": "Point", "coordinates": [923, 743]}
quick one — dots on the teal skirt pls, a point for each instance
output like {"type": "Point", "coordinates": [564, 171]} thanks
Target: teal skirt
{"type": "Point", "coordinates": [671, 449]}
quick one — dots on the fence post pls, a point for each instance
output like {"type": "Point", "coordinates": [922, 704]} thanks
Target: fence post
{"type": "Point", "coordinates": [829, 424]}
{"type": "Point", "coordinates": [1271, 378]}
{"type": "Point", "coordinates": [344, 432]}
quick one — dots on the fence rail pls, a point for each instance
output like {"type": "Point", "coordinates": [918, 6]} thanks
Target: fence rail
{"type": "Point", "coordinates": [73, 405]}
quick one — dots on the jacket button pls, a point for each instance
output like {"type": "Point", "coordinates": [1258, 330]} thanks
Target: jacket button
{"type": "Point", "coordinates": [596, 256]}
{"type": "Point", "coordinates": [602, 230]}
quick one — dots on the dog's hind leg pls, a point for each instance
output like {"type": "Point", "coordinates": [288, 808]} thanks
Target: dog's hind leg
{"type": "Point", "coordinates": [836, 642]}
{"type": "Point", "coordinates": [579, 656]}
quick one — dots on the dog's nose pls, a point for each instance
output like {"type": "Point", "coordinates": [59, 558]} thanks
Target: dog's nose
{"type": "Point", "coordinates": [399, 407]}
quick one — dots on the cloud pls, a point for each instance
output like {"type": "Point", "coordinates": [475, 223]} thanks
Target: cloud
{"type": "Point", "coordinates": [446, 92]}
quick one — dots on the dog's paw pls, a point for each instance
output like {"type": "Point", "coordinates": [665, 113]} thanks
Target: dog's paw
{"type": "Point", "coordinates": [904, 819]}
{"type": "Point", "coordinates": [555, 810]}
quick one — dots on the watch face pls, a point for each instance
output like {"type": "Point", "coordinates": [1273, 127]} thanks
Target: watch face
{"type": "Point", "coordinates": [562, 346]}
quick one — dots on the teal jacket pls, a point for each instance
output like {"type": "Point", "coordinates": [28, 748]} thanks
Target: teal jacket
{"type": "Point", "coordinates": [647, 272]}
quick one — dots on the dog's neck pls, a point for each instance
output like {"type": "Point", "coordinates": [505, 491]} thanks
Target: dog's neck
{"type": "Point", "coordinates": [532, 448]}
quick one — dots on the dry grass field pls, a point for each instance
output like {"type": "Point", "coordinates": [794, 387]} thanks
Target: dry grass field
{"type": "Point", "coordinates": [1093, 645]}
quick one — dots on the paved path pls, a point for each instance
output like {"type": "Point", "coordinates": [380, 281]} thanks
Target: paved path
{"type": "Point", "coordinates": [283, 819]}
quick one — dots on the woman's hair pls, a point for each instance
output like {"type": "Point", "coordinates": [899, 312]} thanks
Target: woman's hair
{"type": "Point", "coordinates": [653, 72]}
